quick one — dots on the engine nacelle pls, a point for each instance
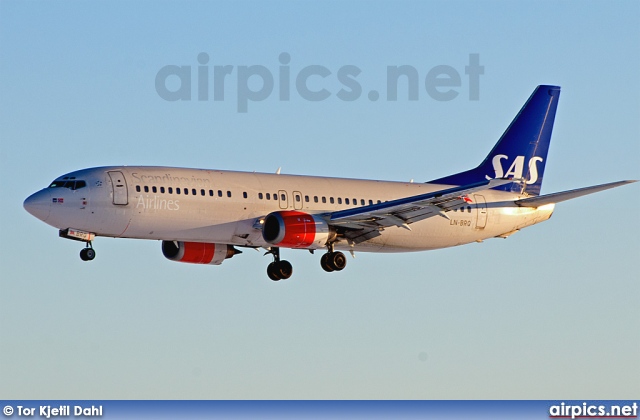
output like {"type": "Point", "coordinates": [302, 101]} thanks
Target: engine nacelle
{"type": "Point", "coordinates": [198, 252]}
{"type": "Point", "coordinates": [295, 229]}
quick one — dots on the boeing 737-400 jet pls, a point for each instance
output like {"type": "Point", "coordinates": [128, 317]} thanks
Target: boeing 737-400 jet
{"type": "Point", "coordinates": [202, 216]}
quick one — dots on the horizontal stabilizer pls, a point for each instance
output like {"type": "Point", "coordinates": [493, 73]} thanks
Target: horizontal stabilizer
{"type": "Point", "coordinates": [567, 195]}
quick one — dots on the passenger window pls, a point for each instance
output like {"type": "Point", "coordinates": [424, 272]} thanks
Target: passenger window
{"type": "Point", "coordinates": [355, 201]}
{"type": "Point", "coordinates": [260, 196]}
{"type": "Point", "coordinates": [461, 208]}
{"type": "Point", "coordinates": [210, 193]}
{"type": "Point", "coordinates": [315, 198]}
{"type": "Point", "coordinates": [137, 188]}
{"type": "Point", "coordinates": [229, 194]}
{"type": "Point", "coordinates": [306, 198]}
{"type": "Point", "coordinates": [162, 190]}
{"type": "Point", "coordinates": [379, 201]}
{"type": "Point", "coordinates": [146, 189]}
{"type": "Point", "coordinates": [331, 200]}
{"type": "Point", "coordinates": [219, 193]}
{"type": "Point", "coordinates": [283, 197]}
{"type": "Point", "coordinates": [339, 200]}
{"type": "Point", "coordinates": [177, 190]}
{"type": "Point", "coordinates": [346, 201]}
{"type": "Point", "coordinates": [244, 194]}
{"type": "Point", "coordinates": [469, 209]}
{"type": "Point", "coordinates": [170, 190]}
{"type": "Point", "coordinates": [193, 191]}
{"type": "Point", "coordinates": [370, 202]}
{"type": "Point", "coordinates": [298, 198]}
{"type": "Point", "coordinates": [186, 191]}
{"type": "Point", "coordinates": [324, 199]}
{"type": "Point", "coordinates": [154, 189]}
{"type": "Point", "coordinates": [268, 196]}
{"type": "Point", "coordinates": [202, 193]}
{"type": "Point", "coordinates": [362, 201]}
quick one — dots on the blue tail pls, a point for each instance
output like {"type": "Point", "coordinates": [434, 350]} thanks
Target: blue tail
{"type": "Point", "coordinates": [522, 150]}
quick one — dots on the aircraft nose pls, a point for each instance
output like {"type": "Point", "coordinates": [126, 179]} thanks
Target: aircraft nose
{"type": "Point", "coordinates": [39, 204]}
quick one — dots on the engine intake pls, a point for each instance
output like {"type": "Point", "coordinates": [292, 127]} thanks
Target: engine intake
{"type": "Point", "coordinates": [295, 229]}
{"type": "Point", "coordinates": [198, 252]}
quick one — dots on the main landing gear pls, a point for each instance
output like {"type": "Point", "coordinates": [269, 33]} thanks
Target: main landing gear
{"type": "Point", "coordinates": [333, 260]}
{"type": "Point", "coordinates": [88, 253]}
{"type": "Point", "coordinates": [282, 270]}
{"type": "Point", "coordinates": [278, 269]}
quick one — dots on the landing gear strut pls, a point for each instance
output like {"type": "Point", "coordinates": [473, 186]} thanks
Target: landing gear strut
{"type": "Point", "coordinates": [278, 269]}
{"type": "Point", "coordinates": [88, 253]}
{"type": "Point", "coordinates": [333, 260]}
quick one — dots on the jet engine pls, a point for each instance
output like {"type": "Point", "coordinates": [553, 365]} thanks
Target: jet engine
{"type": "Point", "coordinates": [295, 229]}
{"type": "Point", "coordinates": [198, 252]}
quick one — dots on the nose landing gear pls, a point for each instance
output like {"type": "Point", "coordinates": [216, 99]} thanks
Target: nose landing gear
{"type": "Point", "coordinates": [88, 253]}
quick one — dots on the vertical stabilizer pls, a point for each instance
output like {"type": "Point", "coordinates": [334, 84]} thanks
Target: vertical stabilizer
{"type": "Point", "coordinates": [522, 150]}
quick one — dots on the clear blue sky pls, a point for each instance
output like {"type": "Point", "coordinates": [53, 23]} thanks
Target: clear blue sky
{"type": "Point", "coordinates": [551, 312]}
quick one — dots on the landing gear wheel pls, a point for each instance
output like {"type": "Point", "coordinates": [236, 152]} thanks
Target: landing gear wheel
{"type": "Point", "coordinates": [272, 273]}
{"type": "Point", "coordinates": [279, 270]}
{"type": "Point", "coordinates": [333, 261]}
{"type": "Point", "coordinates": [337, 260]}
{"type": "Point", "coordinates": [324, 263]}
{"type": "Point", "coordinates": [284, 269]}
{"type": "Point", "coordinates": [87, 254]}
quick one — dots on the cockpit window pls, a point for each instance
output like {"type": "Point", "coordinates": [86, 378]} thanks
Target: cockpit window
{"type": "Point", "coordinates": [65, 183]}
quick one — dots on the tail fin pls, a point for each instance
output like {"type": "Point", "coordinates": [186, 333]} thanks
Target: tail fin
{"type": "Point", "coordinates": [522, 150]}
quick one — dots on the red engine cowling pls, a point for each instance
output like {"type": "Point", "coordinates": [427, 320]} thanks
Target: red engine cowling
{"type": "Point", "coordinates": [197, 252]}
{"type": "Point", "coordinates": [295, 229]}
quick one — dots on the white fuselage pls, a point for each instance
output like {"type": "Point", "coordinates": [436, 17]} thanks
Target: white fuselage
{"type": "Point", "coordinates": [226, 207]}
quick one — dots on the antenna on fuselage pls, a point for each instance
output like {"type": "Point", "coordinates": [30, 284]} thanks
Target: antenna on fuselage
{"type": "Point", "coordinates": [278, 171]}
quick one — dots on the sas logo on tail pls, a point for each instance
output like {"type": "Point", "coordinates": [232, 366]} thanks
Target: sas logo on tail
{"type": "Point", "coordinates": [516, 169]}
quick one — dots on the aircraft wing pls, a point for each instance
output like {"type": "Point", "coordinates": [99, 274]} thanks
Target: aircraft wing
{"type": "Point", "coordinates": [366, 222]}
{"type": "Point", "coordinates": [567, 195]}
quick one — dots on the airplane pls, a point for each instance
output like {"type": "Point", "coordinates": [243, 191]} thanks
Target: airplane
{"type": "Point", "coordinates": [203, 216]}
